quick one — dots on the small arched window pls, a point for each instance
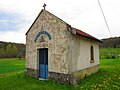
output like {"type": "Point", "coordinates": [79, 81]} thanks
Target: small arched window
{"type": "Point", "coordinates": [92, 54]}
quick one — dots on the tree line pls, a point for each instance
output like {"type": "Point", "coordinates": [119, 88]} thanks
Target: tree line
{"type": "Point", "coordinates": [113, 42]}
{"type": "Point", "coordinates": [110, 48]}
{"type": "Point", "coordinates": [11, 50]}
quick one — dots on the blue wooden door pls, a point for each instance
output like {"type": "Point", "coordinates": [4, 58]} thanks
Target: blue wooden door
{"type": "Point", "coordinates": [43, 63]}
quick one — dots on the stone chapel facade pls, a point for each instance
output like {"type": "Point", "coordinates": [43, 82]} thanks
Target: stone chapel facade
{"type": "Point", "coordinates": [55, 50]}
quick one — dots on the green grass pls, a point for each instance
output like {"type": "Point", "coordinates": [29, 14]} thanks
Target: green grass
{"type": "Point", "coordinates": [108, 78]}
{"type": "Point", "coordinates": [11, 65]}
{"type": "Point", "coordinates": [107, 53]}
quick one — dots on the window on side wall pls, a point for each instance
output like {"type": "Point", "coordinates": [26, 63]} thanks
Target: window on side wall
{"type": "Point", "coordinates": [91, 54]}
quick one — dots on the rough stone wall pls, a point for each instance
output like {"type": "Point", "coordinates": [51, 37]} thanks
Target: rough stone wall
{"type": "Point", "coordinates": [74, 77]}
{"type": "Point", "coordinates": [32, 72]}
{"type": "Point", "coordinates": [57, 46]}
{"type": "Point", "coordinates": [62, 78]}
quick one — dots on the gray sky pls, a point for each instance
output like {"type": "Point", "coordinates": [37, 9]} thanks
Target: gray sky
{"type": "Point", "coordinates": [16, 16]}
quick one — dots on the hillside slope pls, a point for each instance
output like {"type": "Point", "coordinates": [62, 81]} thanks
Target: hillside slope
{"type": "Point", "coordinates": [113, 42]}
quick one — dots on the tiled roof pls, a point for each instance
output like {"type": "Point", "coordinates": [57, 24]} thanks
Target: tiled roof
{"type": "Point", "coordinates": [83, 34]}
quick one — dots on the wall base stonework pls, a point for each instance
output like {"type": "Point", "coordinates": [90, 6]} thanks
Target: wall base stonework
{"type": "Point", "coordinates": [72, 78]}
{"type": "Point", "coordinates": [32, 72]}
{"type": "Point", "coordinates": [63, 78]}
{"type": "Point", "coordinates": [85, 72]}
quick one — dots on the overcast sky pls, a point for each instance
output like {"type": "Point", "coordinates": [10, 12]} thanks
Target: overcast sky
{"type": "Point", "coordinates": [16, 16]}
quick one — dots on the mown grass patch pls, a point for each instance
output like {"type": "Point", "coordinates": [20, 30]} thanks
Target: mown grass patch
{"type": "Point", "coordinates": [19, 81]}
{"type": "Point", "coordinates": [11, 65]}
{"type": "Point", "coordinates": [108, 78]}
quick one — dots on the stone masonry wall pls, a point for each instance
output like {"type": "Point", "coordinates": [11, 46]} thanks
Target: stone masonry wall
{"type": "Point", "coordinates": [74, 77]}
{"type": "Point", "coordinates": [57, 46]}
{"type": "Point", "coordinates": [65, 54]}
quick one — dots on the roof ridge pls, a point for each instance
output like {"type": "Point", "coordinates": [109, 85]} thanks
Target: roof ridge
{"type": "Point", "coordinates": [77, 31]}
{"type": "Point", "coordinates": [84, 34]}
{"type": "Point", "coordinates": [56, 17]}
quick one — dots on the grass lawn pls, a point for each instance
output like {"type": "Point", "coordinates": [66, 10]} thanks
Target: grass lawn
{"type": "Point", "coordinates": [109, 53]}
{"type": "Point", "coordinates": [12, 77]}
{"type": "Point", "coordinates": [11, 65]}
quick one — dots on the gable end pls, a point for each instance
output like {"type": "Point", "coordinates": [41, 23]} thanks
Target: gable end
{"type": "Point", "coordinates": [34, 21]}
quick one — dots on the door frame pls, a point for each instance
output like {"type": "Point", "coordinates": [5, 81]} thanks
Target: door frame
{"type": "Point", "coordinates": [38, 57]}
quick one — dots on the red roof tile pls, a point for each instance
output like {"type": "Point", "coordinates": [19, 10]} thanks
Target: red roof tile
{"type": "Point", "coordinates": [83, 34]}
